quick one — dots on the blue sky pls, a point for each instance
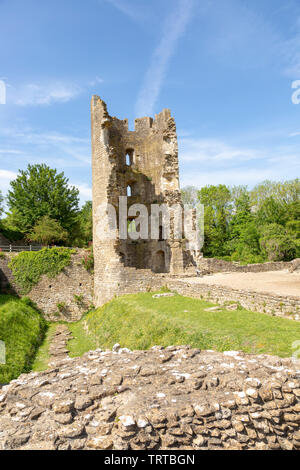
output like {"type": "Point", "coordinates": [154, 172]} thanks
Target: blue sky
{"type": "Point", "coordinates": [224, 68]}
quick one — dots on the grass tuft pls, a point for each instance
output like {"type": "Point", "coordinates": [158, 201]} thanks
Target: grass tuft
{"type": "Point", "coordinates": [140, 322]}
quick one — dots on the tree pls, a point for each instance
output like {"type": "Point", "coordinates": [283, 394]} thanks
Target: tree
{"type": "Point", "coordinates": [1, 203]}
{"type": "Point", "coordinates": [82, 234]}
{"type": "Point", "coordinates": [217, 211]}
{"type": "Point", "coordinates": [48, 231]}
{"type": "Point", "coordinates": [272, 211]}
{"type": "Point", "coordinates": [189, 196]}
{"type": "Point", "coordinates": [277, 244]}
{"type": "Point", "coordinates": [40, 191]}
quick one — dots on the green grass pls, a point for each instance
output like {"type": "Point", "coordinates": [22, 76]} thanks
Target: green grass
{"type": "Point", "coordinates": [42, 357]}
{"type": "Point", "coordinates": [22, 328]}
{"type": "Point", "coordinates": [140, 322]}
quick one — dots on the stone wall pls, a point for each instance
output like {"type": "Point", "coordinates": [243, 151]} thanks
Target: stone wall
{"type": "Point", "coordinates": [73, 281]}
{"type": "Point", "coordinates": [215, 265]}
{"type": "Point", "coordinates": [288, 307]}
{"type": "Point", "coordinates": [175, 398]}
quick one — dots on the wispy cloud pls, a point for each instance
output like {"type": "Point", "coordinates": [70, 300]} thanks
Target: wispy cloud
{"type": "Point", "coordinates": [213, 150]}
{"type": "Point", "coordinates": [5, 178]}
{"type": "Point", "coordinates": [217, 162]}
{"type": "Point", "coordinates": [85, 192]}
{"type": "Point", "coordinates": [36, 94]}
{"type": "Point", "coordinates": [136, 12]}
{"type": "Point", "coordinates": [53, 148]}
{"type": "Point", "coordinates": [174, 28]}
{"type": "Point", "coordinates": [49, 92]}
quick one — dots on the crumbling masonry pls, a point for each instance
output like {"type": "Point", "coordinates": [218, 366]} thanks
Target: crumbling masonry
{"type": "Point", "coordinates": [143, 165]}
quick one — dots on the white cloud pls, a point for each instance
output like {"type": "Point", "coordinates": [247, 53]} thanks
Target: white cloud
{"type": "Point", "coordinates": [48, 92]}
{"type": "Point", "coordinates": [53, 148]}
{"type": "Point", "coordinates": [136, 12]}
{"type": "Point", "coordinates": [211, 161]}
{"type": "Point", "coordinates": [96, 81]}
{"type": "Point", "coordinates": [248, 177]}
{"type": "Point", "coordinates": [85, 192]}
{"type": "Point", "coordinates": [37, 94]}
{"type": "Point", "coordinates": [173, 29]}
{"type": "Point", "coordinates": [5, 178]}
{"type": "Point", "coordinates": [10, 152]}
{"type": "Point", "coordinates": [211, 150]}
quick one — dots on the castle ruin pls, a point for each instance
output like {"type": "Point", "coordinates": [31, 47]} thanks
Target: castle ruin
{"type": "Point", "coordinates": [141, 165]}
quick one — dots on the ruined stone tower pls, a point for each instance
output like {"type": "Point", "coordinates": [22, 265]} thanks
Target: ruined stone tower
{"type": "Point", "coordinates": [142, 165]}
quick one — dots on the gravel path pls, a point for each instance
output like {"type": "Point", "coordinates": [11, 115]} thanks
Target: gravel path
{"type": "Point", "coordinates": [275, 282]}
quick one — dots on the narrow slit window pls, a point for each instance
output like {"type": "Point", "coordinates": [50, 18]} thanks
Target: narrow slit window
{"type": "Point", "coordinates": [129, 157]}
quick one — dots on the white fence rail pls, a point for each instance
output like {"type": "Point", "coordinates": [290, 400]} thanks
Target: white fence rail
{"type": "Point", "coordinates": [15, 248]}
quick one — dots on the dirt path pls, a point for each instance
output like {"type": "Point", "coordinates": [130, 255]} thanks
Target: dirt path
{"type": "Point", "coordinates": [276, 282]}
{"type": "Point", "coordinates": [58, 346]}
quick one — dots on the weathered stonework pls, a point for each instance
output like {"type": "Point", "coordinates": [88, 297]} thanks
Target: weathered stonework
{"type": "Point", "coordinates": [152, 173]}
{"type": "Point", "coordinates": [215, 265]}
{"type": "Point", "coordinates": [66, 297]}
{"type": "Point", "coordinates": [173, 398]}
{"type": "Point", "coordinates": [276, 305]}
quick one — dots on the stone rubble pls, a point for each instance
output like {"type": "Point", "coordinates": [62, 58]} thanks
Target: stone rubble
{"type": "Point", "coordinates": [58, 347]}
{"type": "Point", "coordinates": [172, 398]}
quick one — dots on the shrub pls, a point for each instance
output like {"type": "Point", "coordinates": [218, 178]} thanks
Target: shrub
{"type": "Point", "coordinates": [88, 260]}
{"type": "Point", "coordinates": [28, 267]}
{"type": "Point", "coordinates": [22, 328]}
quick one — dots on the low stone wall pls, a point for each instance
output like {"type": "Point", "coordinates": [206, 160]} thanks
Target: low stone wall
{"type": "Point", "coordinates": [214, 265]}
{"type": "Point", "coordinates": [65, 297]}
{"type": "Point", "coordinates": [72, 290]}
{"type": "Point", "coordinates": [173, 398]}
{"type": "Point", "coordinates": [288, 307]}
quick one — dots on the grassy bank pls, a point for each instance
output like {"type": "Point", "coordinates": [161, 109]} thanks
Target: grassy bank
{"type": "Point", "coordinates": [22, 328]}
{"type": "Point", "coordinates": [140, 322]}
{"type": "Point", "coordinates": [42, 357]}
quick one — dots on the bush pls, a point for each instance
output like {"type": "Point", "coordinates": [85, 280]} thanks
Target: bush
{"type": "Point", "coordinates": [88, 260]}
{"type": "Point", "coordinates": [28, 267]}
{"type": "Point", "coordinates": [22, 328]}
{"type": "Point", "coordinates": [276, 244]}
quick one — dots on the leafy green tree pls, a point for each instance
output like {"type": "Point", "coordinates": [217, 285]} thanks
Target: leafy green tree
{"type": "Point", "coordinates": [217, 211]}
{"type": "Point", "coordinates": [271, 211]}
{"type": "Point", "coordinates": [40, 191]}
{"type": "Point", "coordinates": [189, 196]}
{"type": "Point", "coordinates": [1, 203]}
{"type": "Point", "coordinates": [277, 244]}
{"type": "Point", "coordinates": [82, 233]}
{"type": "Point", "coordinates": [47, 231]}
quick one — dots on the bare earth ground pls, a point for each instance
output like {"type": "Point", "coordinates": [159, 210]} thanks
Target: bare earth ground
{"type": "Point", "coordinates": [276, 282]}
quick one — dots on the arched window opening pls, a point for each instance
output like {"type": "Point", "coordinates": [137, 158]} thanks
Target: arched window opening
{"type": "Point", "coordinates": [131, 226]}
{"type": "Point", "coordinates": [129, 157]}
{"type": "Point", "coordinates": [132, 189]}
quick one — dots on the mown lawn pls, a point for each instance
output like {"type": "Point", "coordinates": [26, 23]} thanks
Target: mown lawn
{"type": "Point", "coordinates": [140, 322]}
{"type": "Point", "coordinates": [22, 328]}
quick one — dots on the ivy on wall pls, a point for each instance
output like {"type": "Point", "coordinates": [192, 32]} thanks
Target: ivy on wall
{"type": "Point", "coordinates": [28, 267]}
